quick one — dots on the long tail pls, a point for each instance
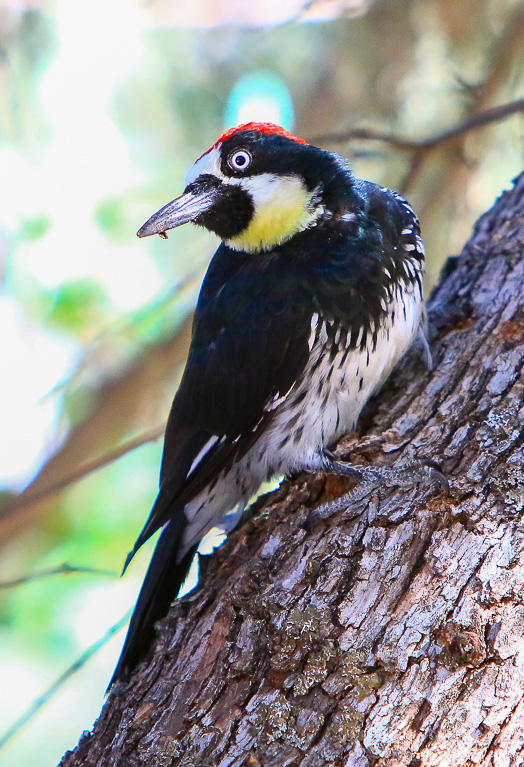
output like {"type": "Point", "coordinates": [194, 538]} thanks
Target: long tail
{"type": "Point", "coordinates": [162, 583]}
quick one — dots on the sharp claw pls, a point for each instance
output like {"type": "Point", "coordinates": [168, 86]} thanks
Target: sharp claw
{"type": "Point", "coordinates": [439, 477]}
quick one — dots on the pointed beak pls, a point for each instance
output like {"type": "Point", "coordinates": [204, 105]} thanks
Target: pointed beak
{"type": "Point", "coordinates": [180, 211]}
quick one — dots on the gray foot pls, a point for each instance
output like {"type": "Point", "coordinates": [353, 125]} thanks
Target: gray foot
{"type": "Point", "coordinates": [373, 479]}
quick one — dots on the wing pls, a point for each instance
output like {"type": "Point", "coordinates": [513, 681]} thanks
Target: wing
{"type": "Point", "coordinates": [249, 346]}
{"type": "Point", "coordinates": [356, 272]}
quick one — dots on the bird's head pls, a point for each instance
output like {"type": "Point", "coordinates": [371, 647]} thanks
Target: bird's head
{"type": "Point", "coordinates": [256, 187]}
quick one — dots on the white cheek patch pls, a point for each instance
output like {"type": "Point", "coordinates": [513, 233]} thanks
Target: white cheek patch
{"type": "Point", "coordinates": [209, 163]}
{"type": "Point", "coordinates": [270, 189]}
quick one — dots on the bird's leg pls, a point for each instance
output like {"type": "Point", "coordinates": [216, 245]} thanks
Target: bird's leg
{"type": "Point", "coordinates": [370, 479]}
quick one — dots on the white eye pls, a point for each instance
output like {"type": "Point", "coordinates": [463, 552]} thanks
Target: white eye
{"type": "Point", "coordinates": [239, 160]}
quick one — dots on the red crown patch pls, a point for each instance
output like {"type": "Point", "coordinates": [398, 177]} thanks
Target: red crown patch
{"type": "Point", "coordinates": [267, 128]}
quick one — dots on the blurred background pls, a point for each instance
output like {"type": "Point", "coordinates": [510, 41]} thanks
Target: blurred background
{"type": "Point", "coordinates": [104, 105]}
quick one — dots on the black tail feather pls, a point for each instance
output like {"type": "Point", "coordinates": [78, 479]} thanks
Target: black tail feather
{"type": "Point", "coordinates": [162, 583]}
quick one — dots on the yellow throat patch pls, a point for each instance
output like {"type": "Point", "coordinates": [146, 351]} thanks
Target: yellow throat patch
{"type": "Point", "coordinates": [282, 208]}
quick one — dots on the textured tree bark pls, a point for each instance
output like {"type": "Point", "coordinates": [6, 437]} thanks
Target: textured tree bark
{"type": "Point", "coordinates": [392, 634]}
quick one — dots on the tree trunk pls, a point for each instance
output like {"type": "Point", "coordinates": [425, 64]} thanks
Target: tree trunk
{"type": "Point", "coordinates": [391, 634]}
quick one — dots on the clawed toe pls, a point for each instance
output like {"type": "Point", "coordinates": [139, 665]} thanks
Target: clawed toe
{"type": "Point", "coordinates": [436, 475]}
{"type": "Point", "coordinates": [370, 479]}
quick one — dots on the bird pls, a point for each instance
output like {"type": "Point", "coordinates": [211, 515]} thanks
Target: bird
{"type": "Point", "coordinates": [313, 296]}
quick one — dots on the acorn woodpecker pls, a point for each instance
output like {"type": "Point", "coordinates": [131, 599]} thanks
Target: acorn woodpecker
{"type": "Point", "coordinates": [313, 296]}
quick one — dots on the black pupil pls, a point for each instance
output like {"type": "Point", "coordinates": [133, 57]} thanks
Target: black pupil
{"type": "Point", "coordinates": [240, 159]}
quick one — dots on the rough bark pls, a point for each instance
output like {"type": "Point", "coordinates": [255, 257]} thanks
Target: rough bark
{"type": "Point", "coordinates": [391, 635]}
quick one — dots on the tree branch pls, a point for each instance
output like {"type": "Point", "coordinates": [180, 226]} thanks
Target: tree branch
{"type": "Point", "coordinates": [392, 634]}
{"type": "Point", "coordinates": [33, 496]}
{"type": "Point", "coordinates": [63, 569]}
{"type": "Point", "coordinates": [79, 663]}
{"type": "Point", "coordinates": [122, 404]}
{"type": "Point", "coordinates": [444, 139]}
